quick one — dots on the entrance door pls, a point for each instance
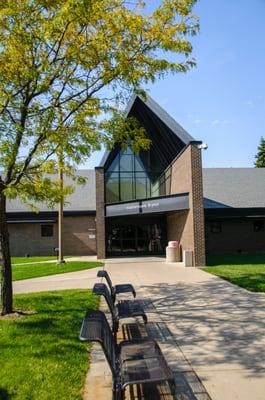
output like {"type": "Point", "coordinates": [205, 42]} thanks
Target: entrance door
{"type": "Point", "coordinates": [136, 238]}
{"type": "Point", "coordinates": [128, 239]}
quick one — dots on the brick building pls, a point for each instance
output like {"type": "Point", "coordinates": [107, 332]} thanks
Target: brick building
{"type": "Point", "coordinates": [146, 199]}
{"type": "Point", "coordinates": [234, 207]}
{"type": "Point", "coordinates": [36, 233]}
{"type": "Point", "coordinates": [133, 204]}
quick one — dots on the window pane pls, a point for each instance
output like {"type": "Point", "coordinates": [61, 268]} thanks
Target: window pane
{"type": "Point", "coordinates": [112, 187]}
{"type": "Point", "coordinates": [155, 189]}
{"type": "Point", "coordinates": [139, 166]}
{"type": "Point", "coordinates": [141, 187]}
{"type": "Point", "coordinates": [258, 226]}
{"type": "Point", "coordinates": [126, 187]}
{"type": "Point", "coordinates": [46, 230]}
{"type": "Point", "coordinates": [133, 179]}
{"type": "Point", "coordinates": [126, 163]}
{"type": "Point", "coordinates": [167, 185]}
{"type": "Point", "coordinates": [114, 242]}
{"type": "Point", "coordinates": [216, 227]}
{"type": "Point", "coordinates": [128, 151]}
{"type": "Point", "coordinates": [114, 166]}
{"type": "Point", "coordinates": [128, 232]}
{"type": "Point", "coordinates": [144, 158]}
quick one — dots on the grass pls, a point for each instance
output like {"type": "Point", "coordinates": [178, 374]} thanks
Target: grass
{"type": "Point", "coordinates": [245, 270]}
{"type": "Point", "coordinates": [236, 259]}
{"type": "Point", "coordinates": [22, 260]}
{"type": "Point", "coordinates": [27, 271]}
{"type": "Point", "coordinates": [41, 357]}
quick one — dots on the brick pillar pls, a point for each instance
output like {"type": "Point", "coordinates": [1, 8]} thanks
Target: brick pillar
{"type": "Point", "coordinates": [100, 216]}
{"type": "Point", "coordinates": [197, 206]}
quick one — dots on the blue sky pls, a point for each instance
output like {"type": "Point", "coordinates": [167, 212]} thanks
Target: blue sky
{"type": "Point", "coordinates": [222, 101]}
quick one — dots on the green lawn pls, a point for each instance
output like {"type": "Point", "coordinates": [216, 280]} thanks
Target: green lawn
{"type": "Point", "coordinates": [245, 270]}
{"type": "Point", "coordinates": [26, 271]}
{"type": "Point", "coordinates": [21, 260]}
{"type": "Point", "coordinates": [41, 357]}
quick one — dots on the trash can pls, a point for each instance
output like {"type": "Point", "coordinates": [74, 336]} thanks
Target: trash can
{"type": "Point", "coordinates": [172, 251]}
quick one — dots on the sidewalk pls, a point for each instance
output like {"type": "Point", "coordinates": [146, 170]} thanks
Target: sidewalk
{"type": "Point", "coordinates": [212, 333]}
{"type": "Point", "coordinates": [81, 258]}
{"type": "Point", "coordinates": [84, 279]}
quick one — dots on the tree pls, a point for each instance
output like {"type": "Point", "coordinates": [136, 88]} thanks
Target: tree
{"type": "Point", "coordinates": [66, 68]}
{"type": "Point", "coordinates": [260, 156]}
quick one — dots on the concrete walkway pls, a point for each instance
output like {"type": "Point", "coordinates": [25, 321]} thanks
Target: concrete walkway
{"type": "Point", "coordinates": [213, 333]}
{"type": "Point", "coordinates": [81, 258]}
{"type": "Point", "coordinates": [71, 280]}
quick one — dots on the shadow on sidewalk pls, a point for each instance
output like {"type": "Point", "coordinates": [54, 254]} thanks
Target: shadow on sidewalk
{"type": "Point", "coordinates": [188, 386]}
{"type": "Point", "coordinates": [215, 322]}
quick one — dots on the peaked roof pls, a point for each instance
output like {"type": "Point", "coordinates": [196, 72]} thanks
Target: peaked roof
{"type": "Point", "coordinates": [143, 110]}
{"type": "Point", "coordinates": [163, 115]}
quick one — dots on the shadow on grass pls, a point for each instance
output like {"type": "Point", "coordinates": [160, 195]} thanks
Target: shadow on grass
{"type": "Point", "coordinates": [236, 259]}
{"type": "Point", "coordinates": [56, 322]}
{"type": "Point", "coordinates": [42, 350]}
{"type": "Point", "coordinates": [4, 395]}
{"type": "Point", "coordinates": [254, 283]}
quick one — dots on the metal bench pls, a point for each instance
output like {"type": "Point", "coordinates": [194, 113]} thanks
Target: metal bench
{"type": "Point", "coordinates": [116, 289]}
{"type": "Point", "coordinates": [123, 309]}
{"type": "Point", "coordinates": [131, 362]}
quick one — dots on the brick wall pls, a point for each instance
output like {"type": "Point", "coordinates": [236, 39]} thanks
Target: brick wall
{"type": "Point", "coordinates": [236, 235]}
{"type": "Point", "coordinates": [27, 239]}
{"type": "Point", "coordinates": [188, 227]}
{"type": "Point", "coordinates": [100, 219]}
{"type": "Point", "coordinates": [79, 235]}
{"type": "Point", "coordinates": [180, 224]}
{"type": "Point", "coordinates": [178, 228]}
{"type": "Point", "coordinates": [197, 206]}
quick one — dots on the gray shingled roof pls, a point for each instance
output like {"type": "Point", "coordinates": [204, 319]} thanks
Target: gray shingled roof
{"type": "Point", "coordinates": [222, 187]}
{"type": "Point", "coordinates": [234, 187]}
{"type": "Point", "coordinates": [83, 198]}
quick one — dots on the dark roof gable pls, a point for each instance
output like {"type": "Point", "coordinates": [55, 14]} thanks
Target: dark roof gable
{"type": "Point", "coordinates": [168, 137]}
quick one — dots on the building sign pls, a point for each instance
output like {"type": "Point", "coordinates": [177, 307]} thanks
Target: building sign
{"type": "Point", "coordinates": [161, 204]}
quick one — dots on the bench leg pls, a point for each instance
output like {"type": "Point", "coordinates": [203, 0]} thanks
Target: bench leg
{"type": "Point", "coordinates": [172, 386]}
{"type": "Point", "coordinates": [115, 326]}
{"type": "Point", "coordinates": [117, 393]}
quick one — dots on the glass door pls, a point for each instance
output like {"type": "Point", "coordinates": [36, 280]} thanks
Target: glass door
{"type": "Point", "coordinates": [142, 238]}
{"type": "Point", "coordinates": [128, 239]}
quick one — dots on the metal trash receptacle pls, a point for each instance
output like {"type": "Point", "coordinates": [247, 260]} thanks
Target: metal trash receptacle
{"type": "Point", "coordinates": [172, 251]}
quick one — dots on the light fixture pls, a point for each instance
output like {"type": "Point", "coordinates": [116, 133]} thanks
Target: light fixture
{"type": "Point", "coordinates": [203, 146]}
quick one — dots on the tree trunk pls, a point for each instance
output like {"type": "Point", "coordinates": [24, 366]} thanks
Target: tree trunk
{"type": "Point", "coordinates": [5, 261]}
